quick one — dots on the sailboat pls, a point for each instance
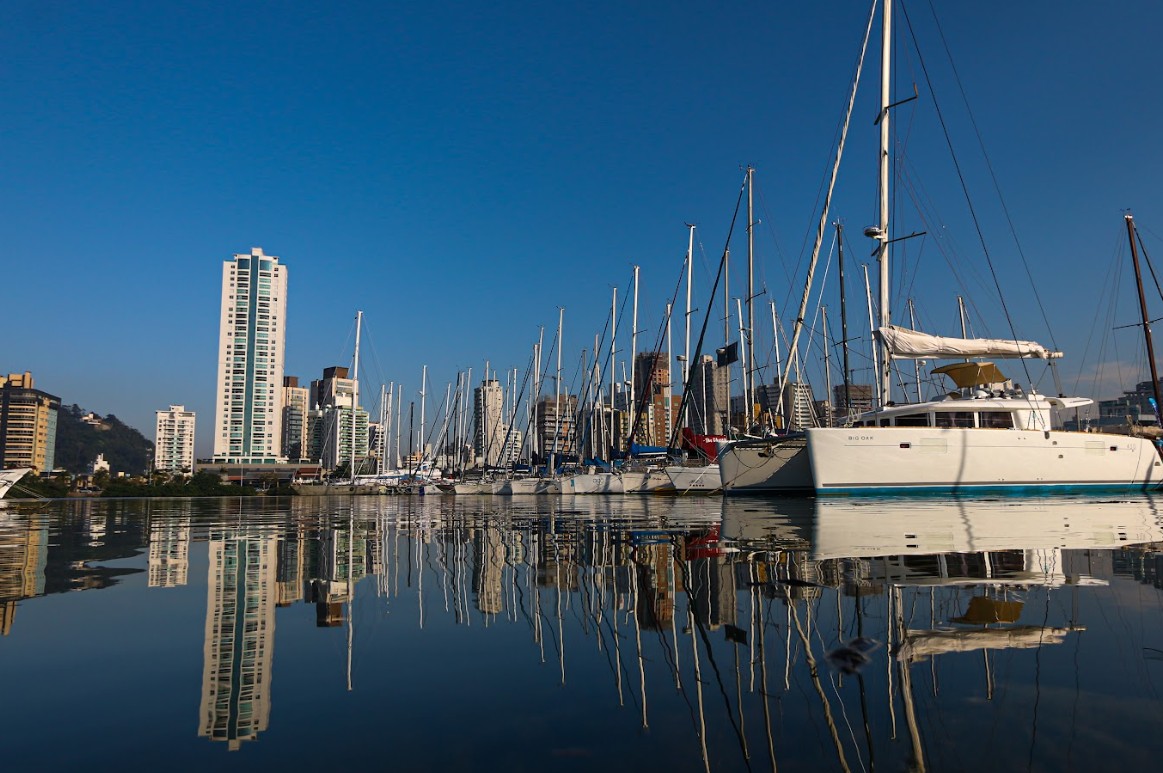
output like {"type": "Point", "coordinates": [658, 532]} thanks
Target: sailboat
{"type": "Point", "coordinates": [987, 434]}
{"type": "Point", "coordinates": [9, 478]}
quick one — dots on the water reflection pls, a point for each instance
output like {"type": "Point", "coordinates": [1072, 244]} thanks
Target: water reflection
{"type": "Point", "coordinates": [742, 633]}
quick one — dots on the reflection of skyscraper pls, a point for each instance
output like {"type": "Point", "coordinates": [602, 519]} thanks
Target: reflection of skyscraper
{"type": "Point", "coordinates": [169, 552]}
{"type": "Point", "coordinates": [23, 552]}
{"type": "Point", "coordinates": [486, 576]}
{"type": "Point", "coordinates": [240, 637]}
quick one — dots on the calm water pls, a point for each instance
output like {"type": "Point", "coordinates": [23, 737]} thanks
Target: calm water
{"type": "Point", "coordinates": [582, 634]}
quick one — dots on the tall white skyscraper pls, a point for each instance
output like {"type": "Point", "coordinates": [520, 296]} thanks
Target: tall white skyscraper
{"type": "Point", "coordinates": [248, 412]}
{"type": "Point", "coordinates": [174, 440]}
{"type": "Point", "coordinates": [488, 408]}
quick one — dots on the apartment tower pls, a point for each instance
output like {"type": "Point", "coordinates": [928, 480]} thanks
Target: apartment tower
{"type": "Point", "coordinates": [174, 440]}
{"type": "Point", "coordinates": [248, 412]}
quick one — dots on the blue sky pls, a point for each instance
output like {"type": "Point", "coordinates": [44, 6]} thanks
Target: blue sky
{"type": "Point", "coordinates": [459, 170]}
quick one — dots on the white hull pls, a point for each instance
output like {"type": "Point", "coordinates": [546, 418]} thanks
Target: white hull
{"type": "Point", "coordinates": [9, 478]}
{"type": "Point", "coordinates": [645, 481]}
{"type": "Point", "coordinates": [703, 479]}
{"type": "Point", "coordinates": [777, 465]}
{"type": "Point", "coordinates": [872, 460]}
{"type": "Point", "coordinates": [528, 486]}
{"type": "Point", "coordinates": [474, 487]}
{"type": "Point", "coordinates": [593, 483]}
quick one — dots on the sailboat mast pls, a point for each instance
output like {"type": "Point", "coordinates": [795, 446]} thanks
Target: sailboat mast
{"type": "Point", "coordinates": [669, 380]}
{"type": "Point", "coordinates": [876, 367]}
{"type": "Point", "coordinates": [423, 397]}
{"type": "Point", "coordinates": [883, 239]}
{"type": "Point", "coordinates": [631, 405]}
{"type": "Point", "coordinates": [827, 368]}
{"type": "Point", "coordinates": [749, 381]}
{"type": "Point", "coordinates": [844, 322]}
{"type": "Point", "coordinates": [686, 362]}
{"type": "Point", "coordinates": [1146, 317]}
{"type": "Point", "coordinates": [613, 360]}
{"type": "Point", "coordinates": [355, 389]}
{"type": "Point", "coordinates": [557, 389]}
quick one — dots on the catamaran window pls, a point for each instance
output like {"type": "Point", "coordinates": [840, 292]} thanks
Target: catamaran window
{"type": "Point", "coordinates": [913, 420]}
{"type": "Point", "coordinates": [996, 419]}
{"type": "Point", "coordinates": [953, 419]}
{"type": "Point", "coordinates": [883, 423]}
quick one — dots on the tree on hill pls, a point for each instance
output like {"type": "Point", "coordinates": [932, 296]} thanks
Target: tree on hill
{"type": "Point", "coordinates": [79, 443]}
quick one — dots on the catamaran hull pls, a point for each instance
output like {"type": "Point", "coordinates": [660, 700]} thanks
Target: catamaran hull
{"type": "Point", "coordinates": [775, 466]}
{"type": "Point", "coordinates": [930, 460]}
{"type": "Point", "coordinates": [9, 478]}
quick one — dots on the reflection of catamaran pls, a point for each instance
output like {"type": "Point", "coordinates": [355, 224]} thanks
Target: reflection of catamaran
{"type": "Point", "coordinates": [1006, 542]}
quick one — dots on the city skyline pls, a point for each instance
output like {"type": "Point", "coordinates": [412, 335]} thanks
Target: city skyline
{"type": "Point", "coordinates": [459, 173]}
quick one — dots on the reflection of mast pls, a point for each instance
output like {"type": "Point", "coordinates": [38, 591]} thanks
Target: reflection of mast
{"type": "Point", "coordinates": [918, 758]}
{"type": "Point", "coordinates": [813, 669]}
{"type": "Point", "coordinates": [350, 571]}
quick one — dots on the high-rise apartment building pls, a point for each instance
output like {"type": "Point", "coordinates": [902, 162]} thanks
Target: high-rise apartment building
{"type": "Point", "coordinates": [296, 405]}
{"type": "Point", "coordinates": [488, 419]}
{"type": "Point", "coordinates": [28, 424]}
{"type": "Point", "coordinates": [335, 433]}
{"type": "Point", "coordinates": [248, 413]}
{"type": "Point", "coordinates": [174, 440]}
{"type": "Point", "coordinates": [708, 406]}
{"type": "Point", "coordinates": [653, 414]}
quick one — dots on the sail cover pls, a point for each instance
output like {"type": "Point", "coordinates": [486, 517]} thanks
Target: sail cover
{"type": "Point", "coordinates": [914, 345]}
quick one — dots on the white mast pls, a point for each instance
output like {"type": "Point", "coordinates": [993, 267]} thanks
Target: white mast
{"type": "Point", "coordinates": [399, 426]}
{"type": "Point", "coordinates": [557, 391]}
{"type": "Point", "coordinates": [749, 378]}
{"type": "Point", "coordinates": [355, 389]}
{"type": "Point", "coordinates": [633, 408]}
{"type": "Point", "coordinates": [423, 396]}
{"type": "Point", "coordinates": [669, 380]}
{"type": "Point", "coordinates": [743, 365]}
{"type": "Point", "coordinates": [827, 367]}
{"type": "Point", "coordinates": [613, 370]}
{"type": "Point", "coordinates": [686, 362]}
{"type": "Point", "coordinates": [882, 238]}
{"type": "Point", "coordinates": [876, 371]}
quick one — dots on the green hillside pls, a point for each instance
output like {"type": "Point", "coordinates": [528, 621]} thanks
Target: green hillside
{"type": "Point", "coordinates": [79, 441]}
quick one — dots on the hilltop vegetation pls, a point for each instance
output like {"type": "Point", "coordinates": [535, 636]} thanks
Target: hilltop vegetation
{"type": "Point", "coordinates": [79, 441]}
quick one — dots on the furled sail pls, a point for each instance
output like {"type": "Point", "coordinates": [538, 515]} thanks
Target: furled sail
{"type": "Point", "coordinates": [913, 345]}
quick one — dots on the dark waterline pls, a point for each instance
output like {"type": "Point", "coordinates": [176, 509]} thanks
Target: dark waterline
{"type": "Point", "coordinates": [588, 633]}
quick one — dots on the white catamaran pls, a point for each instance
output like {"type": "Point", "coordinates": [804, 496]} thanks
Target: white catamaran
{"type": "Point", "coordinates": [988, 434]}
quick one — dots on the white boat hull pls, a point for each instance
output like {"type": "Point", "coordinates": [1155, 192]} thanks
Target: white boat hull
{"type": "Point", "coordinates": [703, 479]}
{"type": "Point", "coordinates": [777, 465]}
{"type": "Point", "coordinates": [529, 486]}
{"type": "Point", "coordinates": [645, 481]}
{"type": "Point", "coordinates": [893, 460]}
{"type": "Point", "coordinates": [9, 478]}
{"type": "Point", "coordinates": [593, 483]}
{"type": "Point", "coordinates": [470, 488]}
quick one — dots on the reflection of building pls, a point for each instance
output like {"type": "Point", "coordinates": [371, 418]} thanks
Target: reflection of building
{"type": "Point", "coordinates": [489, 561]}
{"type": "Point", "coordinates": [247, 414]}
{"type": "Point", "coordinates": [28, 424]}
{"type": "Point", "coordinates": [169, 552]}
{"type": "Point", "coordinates": [23, 554]}
{"type": "Point", "coordinates": [240, 637]}
{"type": "Point", "coordinates": [174, 440]}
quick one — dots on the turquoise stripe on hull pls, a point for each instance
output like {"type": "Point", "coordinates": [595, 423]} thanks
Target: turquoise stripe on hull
{"type": "Point", "coordinates": [1014, 489]}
